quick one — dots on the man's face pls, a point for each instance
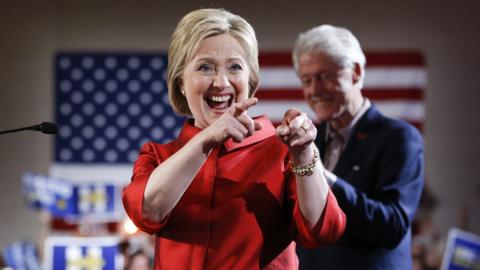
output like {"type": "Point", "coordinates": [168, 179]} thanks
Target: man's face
{"type": "Point", "coordinates": [329, 88]}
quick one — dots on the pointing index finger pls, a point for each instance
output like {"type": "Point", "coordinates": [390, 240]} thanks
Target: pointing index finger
{"type": "Point", "coordinates": [244, 105]}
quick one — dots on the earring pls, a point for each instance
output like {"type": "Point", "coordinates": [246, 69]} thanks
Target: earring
{"type": "Point", "coordinates": [182, 91]}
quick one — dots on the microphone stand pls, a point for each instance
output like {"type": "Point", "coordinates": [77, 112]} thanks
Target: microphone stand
{"type": "Point", "coordinates": [44, 127]}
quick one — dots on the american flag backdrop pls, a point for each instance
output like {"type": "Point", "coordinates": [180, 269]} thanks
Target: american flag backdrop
{"type": "Point", "coordinates": [109, 104]}
{"type": "Point", "coordinates": [395, 81]}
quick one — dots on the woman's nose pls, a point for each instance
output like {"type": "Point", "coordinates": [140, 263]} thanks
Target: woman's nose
{"type": "Point", "coordinates": [221, 81]}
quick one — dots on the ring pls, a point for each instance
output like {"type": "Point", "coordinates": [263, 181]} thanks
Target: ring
{"type": "Point", "coordinates": [304, 127]}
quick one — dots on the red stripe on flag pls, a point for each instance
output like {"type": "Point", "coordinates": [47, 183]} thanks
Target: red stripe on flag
{"type": "Point", "coordinates": [395, 58]}
{"type": "Point", "coordinates": [280, 94]}
{"type": "Point", "coordinates": [374, 58]}
{"type": "Point", "coordinates": [388, 94]}
{"type": "Point", "coordinates": [377, 94]}
{"type": "Point", "coordinates": [275, 59]}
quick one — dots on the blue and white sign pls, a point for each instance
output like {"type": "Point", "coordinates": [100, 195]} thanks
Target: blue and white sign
{"type": "Point", "coordinates": [462, 251]}
{"type": "Point", "coordinates": [82, 253]}
{"type": "Point", "coordinates": [47, 193]}
{"type": "Point", "coordinates": [75, 202]}
{"type": "Point", "coordinates": [21, 255]}
{"type": "Point", "coordinates": [98, 202]}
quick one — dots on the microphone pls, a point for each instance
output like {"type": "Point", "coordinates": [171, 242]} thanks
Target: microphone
{"type": "Point", "coordinates": [44, 127]}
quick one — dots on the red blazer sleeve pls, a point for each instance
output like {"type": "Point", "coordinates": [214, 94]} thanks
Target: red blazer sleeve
{"type": "Point", "coordinates": [329, 228]}
{"type": "Point", "coordinates": [133, 194]}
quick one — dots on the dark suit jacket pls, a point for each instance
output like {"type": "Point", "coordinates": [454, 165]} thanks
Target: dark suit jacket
{"type": "Point", "coordinates": [380, 181]}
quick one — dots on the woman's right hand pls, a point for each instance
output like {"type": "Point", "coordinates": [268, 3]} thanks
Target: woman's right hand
{"type": "Point", "coordinates": [234, 123]}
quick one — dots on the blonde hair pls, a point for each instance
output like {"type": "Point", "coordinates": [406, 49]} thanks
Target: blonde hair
{"type": "Point", "coordinates": [190, 31]}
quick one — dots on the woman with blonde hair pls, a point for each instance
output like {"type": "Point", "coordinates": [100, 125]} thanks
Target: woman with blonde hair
{"type": "Point", "coordinates": [231, 192]}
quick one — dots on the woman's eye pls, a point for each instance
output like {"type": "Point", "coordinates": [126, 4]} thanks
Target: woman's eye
{"type": "Point", "coordinates": [205, 67]}
{"type": "Point", "coordinates": [236, 67]}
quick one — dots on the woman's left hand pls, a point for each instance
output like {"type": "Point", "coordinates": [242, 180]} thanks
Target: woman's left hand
{"type": "Point", "coordinates": [298, 132]}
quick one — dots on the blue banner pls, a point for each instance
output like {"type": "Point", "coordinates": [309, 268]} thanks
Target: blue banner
{"type": "Point", "coordinates": [75, 253]}
{"type": "Point", "coordinates": [21, 255]}
{"type": "Point", "coordinates": [47, 193]}
{"type": "Point", "coordinates": [462, 251]}
{"type": "Point", "coordinates": [75, 202]}
{"type": "Point", "coordinates": [97, 202]}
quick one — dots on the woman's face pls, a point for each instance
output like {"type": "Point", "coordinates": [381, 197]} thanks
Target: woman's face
{"type": "Point", "coordinates": [215, 78]}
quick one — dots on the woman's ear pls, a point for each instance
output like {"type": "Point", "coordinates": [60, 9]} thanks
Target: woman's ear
{"type": "Point", "coordinates": [180, 86]}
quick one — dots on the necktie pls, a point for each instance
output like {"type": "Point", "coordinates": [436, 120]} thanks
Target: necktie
{"type": "Point", "coordinates": [333, 150]}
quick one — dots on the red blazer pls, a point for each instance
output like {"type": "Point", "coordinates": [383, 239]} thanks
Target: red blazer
{"type": "Point", "coordinates": [239, 212]}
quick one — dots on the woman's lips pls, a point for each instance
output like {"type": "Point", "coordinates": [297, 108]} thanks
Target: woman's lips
{"type": "Point", "coordinates": [219, 102]}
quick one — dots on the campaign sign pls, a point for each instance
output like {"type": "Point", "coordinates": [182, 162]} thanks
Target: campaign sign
{"type": "Point", "coordinates": [21, 255]}
{"type": "Point", "coordinates": [462, 251]}
{"type": "Point", "coordinates": [48, 193]}
{"type": "Point", "coordinates": [97, 202]}
{"type": "Point", "coordinates": [82, 253]}
{"type": "Point", "coordinates": [74, 202]}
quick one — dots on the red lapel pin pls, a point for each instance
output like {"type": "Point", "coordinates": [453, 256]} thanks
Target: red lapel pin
{"type": "Point", "coordinates": [361, 136]}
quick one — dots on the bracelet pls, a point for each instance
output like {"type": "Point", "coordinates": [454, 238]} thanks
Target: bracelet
{"type": "Point", "coordinates": [305, 170]}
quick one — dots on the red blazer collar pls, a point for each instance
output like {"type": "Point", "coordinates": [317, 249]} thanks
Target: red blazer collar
{"type": "Point", "coordinates": [268, 130]}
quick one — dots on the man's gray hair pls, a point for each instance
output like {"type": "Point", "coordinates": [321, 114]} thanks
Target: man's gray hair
{"type": "Point", "coordinates": [336, 42]}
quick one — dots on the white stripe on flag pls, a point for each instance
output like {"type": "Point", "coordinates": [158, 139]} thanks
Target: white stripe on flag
{"type": "Point", "coordinates": [276, 109]}
{"type": "Point", "coordinates": [274, 78]}
{"type": "Point", "coordinates": [377, 77]}
{"type": "Point", "coordinates": [385, 77]}
{"type": "Point", "coordinates": [408, 110]}
{"type": "Point", "coordinates": [108, 173]}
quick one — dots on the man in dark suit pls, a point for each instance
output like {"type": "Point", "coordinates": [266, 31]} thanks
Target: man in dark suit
{"type": "Point", "coordinates": [374, 164]}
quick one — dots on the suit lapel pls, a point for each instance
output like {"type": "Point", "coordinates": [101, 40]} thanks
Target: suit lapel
{"type": "Point", "coordinates": [362, 135]}
{"type": "Point", "coordinates": [320, 139]}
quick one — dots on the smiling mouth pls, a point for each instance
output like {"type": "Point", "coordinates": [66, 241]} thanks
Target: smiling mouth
{"type": "Point", "coordinates": [219, 102]}
{"type": "Point", "coordinates": [323, 99]}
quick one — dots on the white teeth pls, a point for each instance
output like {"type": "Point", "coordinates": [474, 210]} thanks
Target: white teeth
{"type": "Point", "coordinates": [220, 98]}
